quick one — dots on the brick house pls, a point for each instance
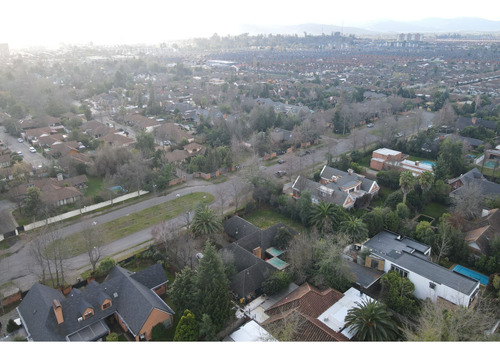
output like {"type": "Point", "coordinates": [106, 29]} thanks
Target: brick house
{"type": "Point", "coordinates": [385, 158]}
{"type": "Point", "coordinates": [131, 299]}
{"type": "Point", "coordinates": [337, 187]}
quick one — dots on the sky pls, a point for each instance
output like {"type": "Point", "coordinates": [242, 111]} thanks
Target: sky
{"type": "Point", "coordinates": [51, 22]}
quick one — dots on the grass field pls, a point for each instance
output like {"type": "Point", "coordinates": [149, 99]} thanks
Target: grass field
{"type": "Point", "coordinates": [94, 185]}
{"type": "Point", "coordinates": [264, 219]}
{"type": "Point", "coordinates": [138, 221]}
{"type": "Point", "coordinates": [435, 210]}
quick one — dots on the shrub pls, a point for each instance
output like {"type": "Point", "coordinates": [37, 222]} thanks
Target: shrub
{"type": "Point", "coordinates": [278, 281]}
{"type": "Point", "coordinates": [12, 326]}
{"type": "Point", "coordinates": [159, 332]}
{"type": "Point", "coordinates": [112, 337]}
{"type": "Point", "coordinates": [105, 266]}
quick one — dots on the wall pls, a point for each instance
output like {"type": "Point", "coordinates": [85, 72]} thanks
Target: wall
{"type": "Point", "coordinates": [423, 291]}
{"type": "Point", "coordinates": [156, 316]}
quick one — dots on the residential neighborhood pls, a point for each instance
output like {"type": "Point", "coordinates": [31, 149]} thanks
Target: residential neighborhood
{"type": "Point", "coordinates": [252, 188]}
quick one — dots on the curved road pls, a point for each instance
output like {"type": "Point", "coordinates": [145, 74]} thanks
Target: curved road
{"type": "Point", "coordinates": [15, 265]}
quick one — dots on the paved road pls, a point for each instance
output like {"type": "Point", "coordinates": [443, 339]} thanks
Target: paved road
{"type": "Point", "coordinates": [17, 267]}
{"type": "Point", "coordinates": [35, 159]}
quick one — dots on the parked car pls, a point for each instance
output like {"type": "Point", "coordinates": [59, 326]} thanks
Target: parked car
{"type": "Point", "coordinates": [32, 150]}
{"type": "Point", "coordinates": [370, 125]}
{"type": "Point", "coordinates": [20, 153]}
{"type": "Point", "coordinates": [281, 161]}
{"type": "Point", "coordinates": [20, 140]}
{"type": "Point", "coordinates": [280, 173]}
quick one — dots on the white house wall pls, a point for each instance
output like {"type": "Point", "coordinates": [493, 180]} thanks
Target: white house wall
{"type": "Point", "coordinates": [423, 290]}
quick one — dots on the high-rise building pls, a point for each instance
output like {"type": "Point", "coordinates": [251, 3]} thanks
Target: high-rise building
{"type": "Point", "coordinates": [4, 50]}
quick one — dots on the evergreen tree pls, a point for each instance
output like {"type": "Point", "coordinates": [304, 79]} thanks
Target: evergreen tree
{"type": "Point", "coordinates": [182, 290]}
{"type": "Point", "coordinates": [213, 287]}
{"type": "Point", "coordinates": [187, 329]}
{"type": "Point", "coordinates": [207, 329]}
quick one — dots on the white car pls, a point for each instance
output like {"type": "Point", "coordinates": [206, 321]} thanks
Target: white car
{"type": "Point", "coordinates": [32, 150]}
{"type": "Point", "coordinates": [20, 153]}
{"type": "Point", "coordinates": [20, 140]}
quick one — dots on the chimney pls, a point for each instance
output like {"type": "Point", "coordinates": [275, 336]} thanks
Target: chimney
{"type": "Point", "coordinates": [417, 163]}
{"type": "Point", "coordinates": [56, 306]}
{"type": "Point", "coordinates": [350, 171]}
{"type": "Point", "coordinates": [258, 252]}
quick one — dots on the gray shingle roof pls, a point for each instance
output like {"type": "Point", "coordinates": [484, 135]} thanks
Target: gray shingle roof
{"type": "Point", "coordinates": [408, 254]}
{"type": "Point", "coordinates": [252, 271]}
{"type": "Point", "coordinates": [130, 298]}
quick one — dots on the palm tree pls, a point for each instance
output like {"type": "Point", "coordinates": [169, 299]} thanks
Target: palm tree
{"type": "Point", "coordinates": [406, 182]}
{"type": "Point", "coordinates": [371, 321]}
{"type": "Point", "coordinates": [355, 228]}
{"type": "Point", "coordinates": [426, 180]}
{"type": "Point", "coordinates": [324, 216]}
{"type": "Point", "coordinates": [205, 221]}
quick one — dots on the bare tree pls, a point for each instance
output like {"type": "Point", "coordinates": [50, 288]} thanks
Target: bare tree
{"type": "Point", "coordinates": [37, 246]}
{"type": "Point", "coordinates": [239, 189]}
{"type": "Point", "coordinates": [93, 241]}
{"type": "Point", "coordinates": [54, 252]}
{"type": "Point", "coordinates": [468, 199]}
{"type": "Point", "coordinates": [442, 322]}
{"type": "Point", "coordinates": [221, 194]}
{"type": "Point", "coordinates": [288, 327]}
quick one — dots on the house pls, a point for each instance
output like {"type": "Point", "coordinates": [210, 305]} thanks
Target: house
{"type": "Point", "coordinates": [488, 188]}
{"type": "Point", "coordinates": [308, 303]}
{"type": "Point", "coordinates": [463, 122]}
{"type": "Point", "coordinates": [392, 252]}
{"type": "Point", "coordinates": [479, 232]}
{"type": "Point", "coordinates": [337, 187]}
{"type": "Point", "coordinates": [253, 254]}
{"type": "Point", "coordinates": [129, 298]}
{"type": "Point", "coordinates": [55, 192]}
{"type": "Point", "coordinates": [250, 332]}
{"type": "Point", "coordinates": [473, 143]}
{"type": "Point", "coordinates": [5, 161]}
{"type": "Point", "coordinates": [385, 158]}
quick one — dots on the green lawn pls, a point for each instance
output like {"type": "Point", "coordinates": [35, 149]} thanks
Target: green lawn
{"type": "Point", "coordinates": [264, 219]}
{"type": "Point", "coordinates": [138, 221]}
{"type": "Point", "coordinates": [94, 185]}
{"type": "Point", "coordinates": [435, 210]}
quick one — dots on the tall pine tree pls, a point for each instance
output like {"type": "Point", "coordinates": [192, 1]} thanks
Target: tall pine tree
{"type": "Point", "coordinates": [182, 291]}
{"type": "Point", "coordinates": [213, 288]}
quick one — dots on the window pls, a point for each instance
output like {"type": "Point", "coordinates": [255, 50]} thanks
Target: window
{"type": "Point", "coordinates": [374, 264]}
{"type": "Point", "coordinates": [432, 285]}
{"type": "Point", "coordinates": [88, 314]}
{"type": "Point", "coordinates": [402, 273]}
{"type": "Point", "coordinates": [106, 305]}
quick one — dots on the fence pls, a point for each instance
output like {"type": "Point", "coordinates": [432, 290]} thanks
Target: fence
{"type": "Point", "coordinates": [84, 210]}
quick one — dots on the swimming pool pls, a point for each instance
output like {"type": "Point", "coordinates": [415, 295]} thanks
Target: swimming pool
{"type": "Point", "coordinates": [472, 274]}
{"type": "Point", "coordinates": [490, 164]}
{"type": "Point", "coordinates": [432, 164]}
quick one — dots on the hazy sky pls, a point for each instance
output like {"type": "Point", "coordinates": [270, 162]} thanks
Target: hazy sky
{"type": "Point", "coordinates": [50, 22]}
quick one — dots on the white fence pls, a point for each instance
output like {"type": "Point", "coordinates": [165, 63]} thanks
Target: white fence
{"type": "Point", "coordinates": [84, 210]}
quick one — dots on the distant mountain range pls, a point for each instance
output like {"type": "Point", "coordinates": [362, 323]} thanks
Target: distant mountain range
{"type": "Point", "coordinates": [430, 25]}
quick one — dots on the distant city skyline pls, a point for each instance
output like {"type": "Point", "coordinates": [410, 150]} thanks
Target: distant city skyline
{"type": "Point", "coordinates": [51, 22]}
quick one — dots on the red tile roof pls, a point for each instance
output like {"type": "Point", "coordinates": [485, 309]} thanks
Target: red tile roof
{"type": "Point", "coordinates": [309, 303]}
